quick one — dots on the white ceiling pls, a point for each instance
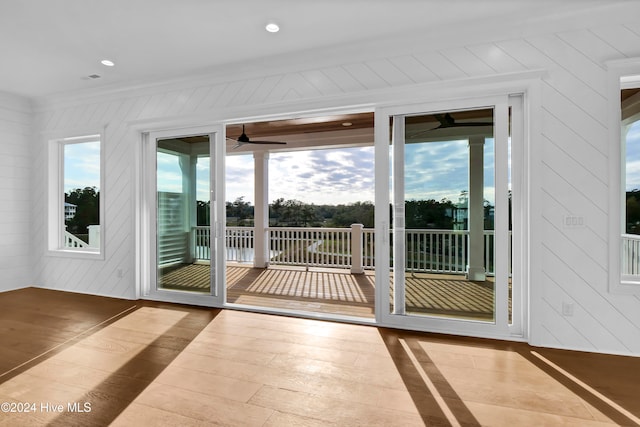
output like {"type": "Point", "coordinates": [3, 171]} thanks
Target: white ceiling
{"type": "Point", "coordinates": [52, 46]}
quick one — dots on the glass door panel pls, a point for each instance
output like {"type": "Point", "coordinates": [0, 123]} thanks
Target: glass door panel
{"type": "Point", "coordinates": [183, 212]}
{"type": "Point", "coordinates": [451, 189]}
{"type": "Point", "coordinates": [444, 215]}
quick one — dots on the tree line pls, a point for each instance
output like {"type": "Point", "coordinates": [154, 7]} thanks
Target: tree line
{"type": "Point", "coordinates": [423, 214]}
{"type": "Point", "coordinates": [294, 213]}
{"type": "Point", "coordinates": [420, 214]}
{"type": "Point", "coordinates": [632, 225]}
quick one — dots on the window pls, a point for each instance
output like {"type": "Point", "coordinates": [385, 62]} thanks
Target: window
{"type": "Point", "coordinates": [630, 137]}
{"type": "Point", "coordinates": [75, 196]}
{"type": "Point", "coordinates": [624, 179]}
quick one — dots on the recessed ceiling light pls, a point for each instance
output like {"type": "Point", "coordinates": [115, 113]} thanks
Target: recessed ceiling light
{"type": "Point", "coordinates": [107, 63]}
{"type": "Point", "coordinates": [347, 124]}
{"type": "Point", "coordinates": [272, 28]}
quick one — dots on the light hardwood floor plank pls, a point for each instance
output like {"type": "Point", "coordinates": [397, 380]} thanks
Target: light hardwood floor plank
{"type": "Point", "coordinates": [168, 364]}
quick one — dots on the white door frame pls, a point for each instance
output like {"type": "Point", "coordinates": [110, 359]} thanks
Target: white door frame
{"type": "Point", "coordinates": [500, 328]}
{"type": "Point", "coordinates": [390, 100]}
{"type": "Point", "coordinates": [147, 213]}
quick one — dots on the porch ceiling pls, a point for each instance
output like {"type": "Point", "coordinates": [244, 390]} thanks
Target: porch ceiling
{"type": "Point", "coordinates": [349, 130]}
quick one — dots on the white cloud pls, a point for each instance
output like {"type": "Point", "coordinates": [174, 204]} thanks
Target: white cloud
{"type": "Point", "coordinates": [434, 170]}
{"type": "Point", "coordinates": [239, 178]}
{"type": "Point", "coordinates": [82, 165]}
{"type": "Point", "coordinates": [332, 176]}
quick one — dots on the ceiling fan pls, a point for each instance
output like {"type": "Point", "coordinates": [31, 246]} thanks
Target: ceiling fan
{"type": "Point", "coordinates": [244, 139]}
{"type": "Point", "coordinates": [447, 121]}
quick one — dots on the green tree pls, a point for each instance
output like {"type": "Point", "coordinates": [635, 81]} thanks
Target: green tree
{"type": "Point", "coordinates": [87, 201]}
{"type": "Point", "coordinates": [429, 214]}
{"type": "Point", "coordinates": [293, 213]}
{"type": "Point", "coordinates": [633, 212]}
{"type": "Point", "coordinates": [240, 210]}
{"type": "Point", "coordinates": [354, 213]}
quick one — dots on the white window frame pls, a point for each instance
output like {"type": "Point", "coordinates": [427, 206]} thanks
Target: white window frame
{"type": "Point", "coordinates": [55, 203]}
{"type": "Point", "coordinates": [620, 76]}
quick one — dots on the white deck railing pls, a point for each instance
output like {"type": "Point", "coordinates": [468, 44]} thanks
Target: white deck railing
{"type": "Point", "coordinates": [433, 251]}
{"type": "Point", "coordinates": [368, 254]}
{"type": "Point", "coordinates": [444, 251]}
{"type": "Point", "coordinates": [238, 243]}
{"type": "Point", "coordinates": [317, 247]}
{"type": "Point", "coordinates": [631, 254]}
{"type": "Point", "coordinates": [71, 241]}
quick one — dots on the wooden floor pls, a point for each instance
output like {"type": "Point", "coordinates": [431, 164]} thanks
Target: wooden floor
{"type": "Point", "coordinates": [336, 291]}
{"type": "Point", "coordinates": [321, 291]}
{"type": "Point", "coordinates": [132, 363]}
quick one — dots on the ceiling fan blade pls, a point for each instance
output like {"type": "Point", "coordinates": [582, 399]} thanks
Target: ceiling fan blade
{"type": "Point", "coordinates": [423, 132]}
{"type": "Point", "coordinates": [471, 124]}
{"type": "Point", "coordinates": [244, 139]}
{"type": "Point", "coordinates": [450, 126]}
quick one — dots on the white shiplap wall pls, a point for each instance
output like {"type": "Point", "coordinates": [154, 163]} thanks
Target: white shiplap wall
{"type": "Point", "coordinates": [15, 192]}
{"type": "Point", "coordinates": [568, 265]}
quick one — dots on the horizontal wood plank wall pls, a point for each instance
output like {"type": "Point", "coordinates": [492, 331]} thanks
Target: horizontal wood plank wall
{"type": "Point", "coordinates": [15, 190]}
{"type": "Point", "coordinates": [571, 264]}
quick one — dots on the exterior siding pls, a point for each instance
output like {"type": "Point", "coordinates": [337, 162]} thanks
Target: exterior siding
{"type": "Point", "coordinates": [571, 265]}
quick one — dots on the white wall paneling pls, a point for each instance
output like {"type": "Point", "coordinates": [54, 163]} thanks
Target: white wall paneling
{"type": "Point", "coordinates": [16, 124]}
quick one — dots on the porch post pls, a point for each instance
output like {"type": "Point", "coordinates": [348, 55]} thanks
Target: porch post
{"type": "Point", "coordinates": [356, 249]}
{"type": "Point", "coordinates": [475, 268]}
{"type": "Point", "coordinates": [261, 209]}
{"type": "Point", "coordinates": [188, 167]}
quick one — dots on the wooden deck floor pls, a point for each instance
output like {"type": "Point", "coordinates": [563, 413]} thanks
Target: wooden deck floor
{"type": "Point", "coordinates": [324, 291]}
{"type": "Point", "coordinates": [140, 363]}
{"type": "Point", "coordinates": [337, 291]}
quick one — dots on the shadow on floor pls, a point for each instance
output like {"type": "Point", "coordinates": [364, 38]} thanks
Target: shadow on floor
{"type": "Point", "coordinates": [111, 397]}
{"type": "Point", "coordinates": [434, 398]}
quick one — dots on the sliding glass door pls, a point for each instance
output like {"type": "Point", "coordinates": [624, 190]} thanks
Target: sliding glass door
{"type": "Point", "coordinates": [183, 213]}
{"type": "Point", "coordinates": [449, 249]}
{"type": "Point", "coordinates": [185, 223]}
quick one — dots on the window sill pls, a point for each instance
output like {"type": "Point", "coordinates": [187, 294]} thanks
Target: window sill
{"type": "Point", "coordinates": [627, 285]}
{"type": "Point", "coordinates": [70, 253]}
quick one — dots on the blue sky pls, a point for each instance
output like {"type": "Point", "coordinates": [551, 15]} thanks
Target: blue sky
{"type": "Point", "coordinates": [633, 157]}
{"type": "Point", "coordinates": [318, 176]}
{"type": "Point", "coordinates": [81, 165]}
{"type": "Point", "coordinates": [440, 170]}
{"type": "Point", "coordinates": [435, 170]}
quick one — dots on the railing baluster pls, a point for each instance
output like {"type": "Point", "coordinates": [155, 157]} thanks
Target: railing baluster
{"type": "Point", "coordinates": [630, 254]}
{"type": "Point", "coordinates": [435, 251]}
{"type": "Point", "coordinates": [447, 248]}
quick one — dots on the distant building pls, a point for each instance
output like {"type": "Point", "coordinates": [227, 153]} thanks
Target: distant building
{"type": "Point", "coordinates": [69, 211]}
{"type": "Point", "coordinates": [461, 212]}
